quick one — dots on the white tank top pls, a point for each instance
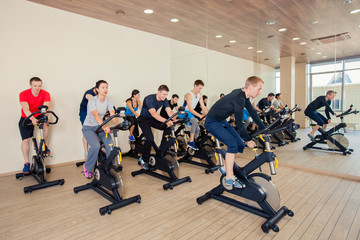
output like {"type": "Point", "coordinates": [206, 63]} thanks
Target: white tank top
{"type": "Point", "coordinates": [194, 101]}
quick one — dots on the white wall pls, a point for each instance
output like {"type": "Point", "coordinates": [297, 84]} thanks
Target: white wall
{"type": "Point", "coordinates": [70, 53]}
{"type": "Point", "coordinates": [221, 73]}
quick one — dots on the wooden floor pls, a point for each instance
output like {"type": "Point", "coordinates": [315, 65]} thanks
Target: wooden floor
{"type": "Point", "coordinates": [322, 160]}
{"type": "Point", "coordinates": [325, 207]}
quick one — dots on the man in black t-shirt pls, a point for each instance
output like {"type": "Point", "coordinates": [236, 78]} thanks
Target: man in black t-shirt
{"type": "Point", "coordinates": [173, 104]}
{"type": "Point", "coordinates": [264, 104]}
{"type": "Point", "coordinates": [312, 113]}
{"type": "Point", "coordinates": [150, 118]}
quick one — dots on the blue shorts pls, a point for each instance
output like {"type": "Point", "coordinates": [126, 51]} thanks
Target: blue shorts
{"type": "Point", "coordinates": [317, 117]}
{"type": "Point", "coordinates": [225, 133]}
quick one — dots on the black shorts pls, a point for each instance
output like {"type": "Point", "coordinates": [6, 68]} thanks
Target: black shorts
{"type": "Point", "coordinates": [26, 131]}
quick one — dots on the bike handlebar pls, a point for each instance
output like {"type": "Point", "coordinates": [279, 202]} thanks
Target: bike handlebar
{"type": "Point", "coordinates": [42, 111]}
{"type": "Point", "coordinates": [120, 112]}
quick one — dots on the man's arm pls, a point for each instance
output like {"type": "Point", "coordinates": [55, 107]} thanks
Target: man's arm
{"type": "Point", "coordinates": [25, 107]}
{"type": "Point", "coordinates": [188, 100]}
{"type": "Point", "coordinates": [328, 110]}
{"type": "Point", "coordinates": [157, 116]}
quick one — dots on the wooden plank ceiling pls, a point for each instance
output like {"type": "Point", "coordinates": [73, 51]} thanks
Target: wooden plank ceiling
{"type": "Point", "coordinates": [241, 20]}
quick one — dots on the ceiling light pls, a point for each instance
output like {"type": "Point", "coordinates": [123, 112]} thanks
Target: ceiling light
{"type": "Point", "coordinates": [282, 29]}
{"type": "Point", "coordinates": [250, 48]}
{"type": "Point", "coordinates": [295, 39]}
{"type": "Point", "coordinates": [232, 41]}
{"type": "Point", "coordinates": [259, 51]}
{"type": "Point", "coordinates": [312, 48]}
{"type": "Point", "coordinates": [303, 43]}
{"type": "Point", "coordinates": [315, 22]}
{"type": "Point", "coordinates": [270, 22]}
{"type": "Point", "coordinates": [355, 11]}
{"type": "Point", "coordinates": [174, 20]}
{"type": "Point", "coordinates": [324, 56]}
{"type": "Point", "coordinates": [349, 1]}
{"type": "Point", "coordinates": [218, 36]}
{"type": "Point", "coordinates": [359, 25]}
{"type": "Point", "coordinates": [318, 53]}
{"type": "Point", "coordinates": [148, 11]}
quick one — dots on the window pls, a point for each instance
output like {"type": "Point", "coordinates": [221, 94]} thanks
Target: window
{"type": "Point", "coordinates": [335, 104]}
{"type": "Point", "coordinates": [342, 76]}
{"type": "Point", "coordinates": [277, 80]}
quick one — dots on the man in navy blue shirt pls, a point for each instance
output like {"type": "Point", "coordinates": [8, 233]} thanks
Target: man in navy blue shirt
{"type": "Point", "coordinates": [150, 118]}
{"type": "Point", "coordinates": [312, 113]}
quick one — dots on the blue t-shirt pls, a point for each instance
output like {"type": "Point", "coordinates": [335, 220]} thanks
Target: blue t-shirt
{"type": "Point", "coordinates": [151, 102]}
{"type": "Point", "coordinates": [84, 101]}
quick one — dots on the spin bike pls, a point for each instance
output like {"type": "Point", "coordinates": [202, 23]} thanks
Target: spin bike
{"type": "Point", "coordinates": [106, 116]}
{"type": "Point", "coordinates": [208, 152]}
{"type": "Point", "coordinates": [262, 196]}
{"type": "Point", "coordinates": [165, 161]}
{"type": "Point", "coordinates": [292, 135]}
{"type": "Point", "coordinates": [335, 140]}
{"type": "Point", "coordinates": [136, 147]}
{"type": "Point", "coordinates": [38, 169]}
{"type": "Point", "coordinates": [107, 181]}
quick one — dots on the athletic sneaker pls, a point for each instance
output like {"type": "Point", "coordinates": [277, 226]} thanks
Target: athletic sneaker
{"type": "Point", "coordinates": [86, 173]}
{"type": "Point", "coordinates": [311, 138]}
{"type": "Point", "coordinates": [143, 164]}
{"type": "Point", "coordinates": [193, 146]}
{"type": "Point", "coordinates": [131, 138]}
{"type": "Point", "coordinates": [234, 182]}
{"type": "Point", "coordinates": [26, 168]}
{"type": "Point", "coordinates": [221, 170]}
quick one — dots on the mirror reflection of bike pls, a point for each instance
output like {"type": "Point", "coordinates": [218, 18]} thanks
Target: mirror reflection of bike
{"type": "Point", "coordinates": [38, 169]}
{"type": "Point", "coordinates": [336, 141]}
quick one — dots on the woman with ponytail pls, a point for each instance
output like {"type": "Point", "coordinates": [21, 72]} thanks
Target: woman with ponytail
{"type": "Point", "coordinates": [133, 104]}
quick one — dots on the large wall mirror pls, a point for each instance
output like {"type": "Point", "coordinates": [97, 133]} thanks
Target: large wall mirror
{"type": "Point", "coordinates": [251, 44]}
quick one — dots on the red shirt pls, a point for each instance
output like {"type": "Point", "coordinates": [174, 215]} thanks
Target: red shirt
{"type": "Point", "coordinates": [34, 102]}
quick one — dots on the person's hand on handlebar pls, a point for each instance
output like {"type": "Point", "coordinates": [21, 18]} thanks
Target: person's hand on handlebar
{"type": "Point", "coordinates": [169, 123]}
{"type": "Point", "coordinates": [250, 144]}
{"type": "Point", "coordinates": [106, 129]}
{"type": "Point", "coordinates": [34, 121]}
{"type": "Point", "coordinates": [329, 120]}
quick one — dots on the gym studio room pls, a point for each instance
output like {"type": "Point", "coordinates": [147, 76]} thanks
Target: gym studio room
{"type": "Point", "coordinates": [296, 173]}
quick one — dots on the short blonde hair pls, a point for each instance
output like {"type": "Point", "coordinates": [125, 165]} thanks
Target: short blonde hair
{"type": "Point", "coordinates": [253, 80]}
{"type": "Point", "coordinates": [328, 93]}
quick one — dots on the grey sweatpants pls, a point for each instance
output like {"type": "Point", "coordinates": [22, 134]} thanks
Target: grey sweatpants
{"type": "Point", "coordinates": [194, 126]}
{"type": "Point", "coordinates": [93, 140]}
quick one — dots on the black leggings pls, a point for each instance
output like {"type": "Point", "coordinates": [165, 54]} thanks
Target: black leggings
{"type": "Point", "coordinates": [145, 124]}
{"type": "Point", "coordinates": [133, 121]}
